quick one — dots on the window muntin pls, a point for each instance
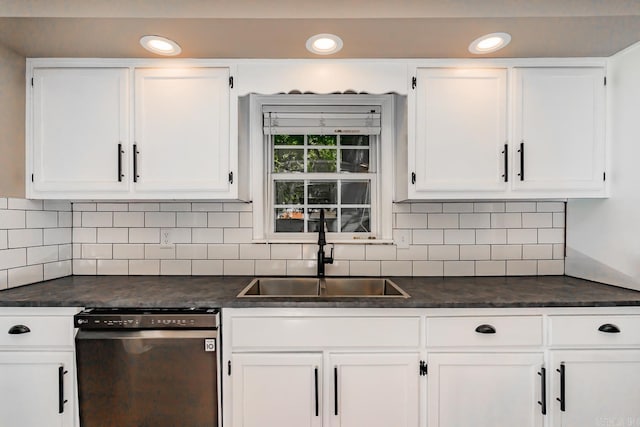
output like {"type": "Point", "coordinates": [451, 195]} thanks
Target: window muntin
{"type": "Point", "coordinates": [332, 172]}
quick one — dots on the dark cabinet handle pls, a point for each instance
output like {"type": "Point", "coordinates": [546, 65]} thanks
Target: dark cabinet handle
{"type": "Point", "coordinates": [315, 379]}
{"type": "Point", "coordinates": [120, 153]}
{"type": "Point", "coordinates": [543, 390]}
{"type": "Point", "coordinates": [135, 162]}
{"type": "Point", "coordinates": [521, 151]}
{"type": "Point", "coordinates": [561, 399]}
{"type": "Point", "coordinates": [486, 329]}
{"type": "Point", "coordinates": [609, 328]}
{"type": "Point", "coordinates": [413, 177]}
{"type": "Point", "coordinates": [335, 390]}
{"type": "Point", "coordinates": [61, 399]}
{"type": "Point", "coordinates": [19, 329]}
{"type": "Point", "coordinates": [506, 163]}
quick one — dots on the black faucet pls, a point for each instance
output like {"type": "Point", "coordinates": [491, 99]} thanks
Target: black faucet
{"type": "Point", "coordinates": [322, 258]}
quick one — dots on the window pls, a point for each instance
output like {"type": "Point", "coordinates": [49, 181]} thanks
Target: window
{"type": "Point", "coordinates": [321, 153]}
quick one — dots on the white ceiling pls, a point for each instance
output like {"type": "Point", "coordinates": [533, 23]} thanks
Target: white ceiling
{"type": "Point", "coordinates": [279, 28]}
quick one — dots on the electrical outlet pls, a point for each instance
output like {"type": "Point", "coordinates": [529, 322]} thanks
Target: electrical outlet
{"type": "Point", "coordinates": [402, 238]}
{"type": "Point", "coordinates": [166, 239]}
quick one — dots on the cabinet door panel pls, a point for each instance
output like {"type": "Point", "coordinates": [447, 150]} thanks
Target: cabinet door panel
{"type": "Point", "coordinates": [560, 120]}
{"type": "Point", "coordinates": [182, 129]}
{"type": "Point", "coordinates": [375, 390]}
{"type": "Point", "coordinates": [29, 386]}
{"type": "Point", "coordinates": [461, 129]}
{"type": "Point", "coordinates": [484, 390]}
{"type": "Point", "coordinates": [602, 388]}
{"type": "Point", "coordinates": [79, 117]}
{"type": "Point", "coordinates": [277, 389]}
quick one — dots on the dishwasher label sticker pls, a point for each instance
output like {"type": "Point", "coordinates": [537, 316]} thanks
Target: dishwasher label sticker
{"type": "Point", "coordinates": [210, 344]}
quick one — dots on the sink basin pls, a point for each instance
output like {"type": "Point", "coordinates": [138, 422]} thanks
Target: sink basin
{"type": "Point", "coordinates": [325, 287]}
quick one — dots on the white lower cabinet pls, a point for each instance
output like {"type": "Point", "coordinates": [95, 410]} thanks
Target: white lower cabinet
{"type": "Point", "coordinates": [593, 388]}
{"type": "Point", "coordinates": [37, 389]}
{"type": "Point", "coordinates": [277, 389]}
{"type": "Point", "coordinates": [375, 390]}
{"type": "Point", "coordinates": [485, 389]}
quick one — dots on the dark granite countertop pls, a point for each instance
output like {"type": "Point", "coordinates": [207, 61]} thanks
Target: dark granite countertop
{"type": "Point", "coordinates": [218, 291]}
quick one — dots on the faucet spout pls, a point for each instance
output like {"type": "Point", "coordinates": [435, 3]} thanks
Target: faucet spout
{"type": "Point", "coordinates": [322, 241]}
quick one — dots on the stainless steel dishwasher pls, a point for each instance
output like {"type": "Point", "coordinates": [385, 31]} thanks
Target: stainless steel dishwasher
{"type": "Point", "coordinates": [148, 367]}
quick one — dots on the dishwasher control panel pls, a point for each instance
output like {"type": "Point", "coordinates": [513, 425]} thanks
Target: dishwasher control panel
{"type": "Point", "coordinates": [156, 318]}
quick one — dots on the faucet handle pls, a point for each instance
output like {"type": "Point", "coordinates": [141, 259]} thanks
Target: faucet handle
{"type": "Point", "coordinates": [330, 257]}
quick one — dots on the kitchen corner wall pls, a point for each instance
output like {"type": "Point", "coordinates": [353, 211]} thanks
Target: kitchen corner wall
{"type": "Point", "coordinates": [445, 239]}
{"type": "Point", "coordinates": [35, 241]}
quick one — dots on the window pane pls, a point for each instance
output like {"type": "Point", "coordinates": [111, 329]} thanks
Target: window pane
{"type": "Point", "coordinates": [289, 192]}
{"type": "Point", "coordinates": [288, 139]}
{"type": "Point", "coordinates": [288, 160]}
{"type": "Point", "coordinates": [330, 218]}
{"type": "Point", "coordinates": [359, 140]}
{"type": "Point", "coordinates": [322, 140]}
{"type": "Point", "coordinates": [322, 161]}
{"type": "Point", "coordinates": [355, 193]}
{"type": "Point", "coordinates": [289, 221]}
{"type": "Point", "coordinates": [355, 220]}
{"type": "Point", "coordinates": [323, 192]}
{"type": "Point", "coordinates": [354, 160]}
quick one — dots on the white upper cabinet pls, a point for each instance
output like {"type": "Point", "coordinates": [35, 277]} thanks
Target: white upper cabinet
{"type": "Point", "coordinates": [559, 131]}
{"type": "Point", "coordinates": [80, 127]}
{"type": "Point", "coordinates": [182, 132]}
{"type": "Point", "coordinates": [460, 131]}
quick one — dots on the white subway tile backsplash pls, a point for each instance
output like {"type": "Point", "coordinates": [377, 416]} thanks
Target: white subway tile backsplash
{"type": "Point", "coordinates": [444, 220]}
{"type": "Point", "coordinates": [128, 219]}
{"type": "Point", "coordinates": [425, 207]}
{"type": "Point", "coordinates": [191, 219]}
{"type": "Point", "coordinates": [475, 252]}
{"type": "Point", "coordinates": [271, 267]}
{"type": "Point", "coordinates": [143, 207]}
{"type": "Point", "coordinates": [457, 207]}
{"type": "Point", "coordinates": [237, 207]}
{"type": "Point", "coordinates": [139, 267]}
{"type": "Point", "coordinates": [444, 252]}
{"type": "Point", "coordinates": [113, 266]}
{"type": "Point", "coordinates": [338, 268]}
{"type": "Point", "coordinates": [128, 251]}
{"type": "Point", "coordinates": [558, 219]}
{"type": "Point", "coordinates": [56, 205]}
{"type": "Point", "coordinates": [175, 207]}
{"type": "Point", "coordinates": [413, 253]}
{"type": "Point", "coordinates": [12, 258]}
{"type": "Point", "coordinates": [297, 267]}
{"type": "Point", "coordinates": [84, 267]}
{"type": "Point", "coordinates": [65, 219]}
{"type": "Point", "coordinates": [537, 220]}
{"type": "Point", "coordinates": [207, 235]}
{"type": "Point", "coordinates": [550, 207]}
{"type": "Point", "coordinates": [206, 207]}
{"type": "Point", "coordinates": [558, 251]}
{"type": "Point", "coordinates": [365, 268]}
{"type": "Point", "coordinates": [24, 204]}
{"type": "Point", "coordinates": [176, 235]}
{"type": "Point", "coordinates": [112, 207]}
{"type": "Point", "coordinates": [246, 219]}
{"type": "Point", "coordinates": [206, 267]}
{"type": "Point", "coordinates": [3, 203]}
{"type": "Point", "coordinates": [396, 268]}
{"type": "Point", "coordinates": [286, 251]}
{"type": "Point", "coordinates": [97, 219]}
{"type": "Point", "coordinates": [522, 236]}
{"type": "Point", "coordinates": [65, 253]}
{"type": "Point", "coordinates": [113, 235]}
{"type": "Point", "coordinates": [413, 220]}
{"type": "Point", "coordinates": [537, 251]}
{"type": "Point", "coordinates": [491, 268]}
{"type": "Point", "coordinates": [428, 268]}
{"type": "Point", "coordinates": [42, 254]}
{"type": "Point", "coordinates": [224, 219]}
{"type": "Point", "coordinates": [550, 267]}
{"type": "Point", "coordinates": [144, 235]}
{"type": "Point", "coordinates": [3, 275]}
{"type": "Point", "coordinates": [310, 251]}
{"type": "Point", "coordinates": [25, 237]}
{"type": "Point", "coordinates": [3, 239]}
{"type": "Point", "coordinates": [520, 207]}
{"type": "Point", "coordinates": [237, 267]}
{"type": "Point", "coordinates": [459, 237]}
{"type": "Point", "coordinates": [12, 219]}
{"type": "Point", "coordinates": [506, 220]}
{"type": "Point", "coordinates": [97, 251]}
{"type": "Point", "coordinates": [191, 251]}
{"type": "Point", "coordinates": [504, 252]}
{"type": "Point", "coordinates": [491, 237]}
{"type": "Point", "coordinates": [160, 219]}
{"type": "Point", "coordinates": [175, 267]}
{"type": "Point", "coordinates": [427, 237]}
{"type": "Point", "coordinates": [255, 251]}
{"type": "Point", "coordinates": [25, 275]}
{"type": "Point", "coordinates": [551, 235]}
{"type": "Point", "coordinates": [459, 268]}
{"type": "Point", "coordinates": [380, 252]}
{"type": "Point", "coordinates": [476, 220]}
{"type": "Point", "coordinates": [349, 252]}
{"type": "Point", "coordinates": [522, 268]}
{"type": "Point", "coordinates": [489, 207]}
{"type": "Point", "coordinates": [41, 219]}
{"type": "Point", "coordinates": [84, 235]}
{"type": "Point", "coordinates": [84, 207]}
{"type": "Point", "coordinates": [54, 270]}
{"type": "Point", "coordinates": [223, 251]}
{"type": "Point", "coordinates": [152, 251]}
{"type": "Point", "coordinates": [238, 235]}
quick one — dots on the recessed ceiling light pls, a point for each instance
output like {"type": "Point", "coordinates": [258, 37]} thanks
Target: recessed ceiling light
{"type": "Point", "coordinates": [160, 45]}
{"type": "Point", "coordinates": [489, 43]}
{"type": "Point", "coordinates": [324, 44]}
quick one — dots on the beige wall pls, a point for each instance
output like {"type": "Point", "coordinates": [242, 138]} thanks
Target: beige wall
{"type": "Point", "coordinates": [12, 119]}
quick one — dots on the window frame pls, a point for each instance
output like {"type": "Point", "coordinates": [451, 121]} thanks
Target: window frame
{"type": "Point", "coordinates": [381, 199]}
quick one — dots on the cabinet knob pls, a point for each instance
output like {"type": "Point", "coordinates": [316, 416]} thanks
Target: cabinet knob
{"type": "Point", "coordinates": [609, 328]}
{"type": "Point", "coordinates": [19, 329]}
{"type": "Point", "coordinates": [486, 329]}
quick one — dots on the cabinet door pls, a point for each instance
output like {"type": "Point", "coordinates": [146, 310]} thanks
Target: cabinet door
{"type": "Point", "coordinates": [374, 390]}
{"type": "Point", "coordinates": [601, 388]}
{"type": "Point", "coordinates": [277, 389]}
{"type": "Point", "coordinates": [30, 389]}
{"type": "Point", "coordinates": [460, 130]}
{"type": "Point", "coordinates": [559, 122]}
{"type": "Point", "coordinates": [182, 134]}
{"type": "Point", "coordinates": [484, 390]}
{"type": "Point", "coordinates": [80, 116]}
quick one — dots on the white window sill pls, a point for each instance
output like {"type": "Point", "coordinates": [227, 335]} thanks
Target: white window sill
{"type": "Point", "coordinates": [314, 241]}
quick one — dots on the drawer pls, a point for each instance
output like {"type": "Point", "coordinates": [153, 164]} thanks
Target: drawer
{"type": "Point", "coordinates": [598, 330]}
{"type": "Point", "coordinates": [492, 331]}
{"type": "Point", "coordinates": [44, 331]}
{"type": "Point", "coordinates": [316, 332]}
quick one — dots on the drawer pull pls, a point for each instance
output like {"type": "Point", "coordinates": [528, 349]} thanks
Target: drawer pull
{"type": "Point", "coordinates": [19, 329]}
{"type": "Point", "coordinates": [486, 329]}
{"type": "Point", "coordinates": [609, 328]}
